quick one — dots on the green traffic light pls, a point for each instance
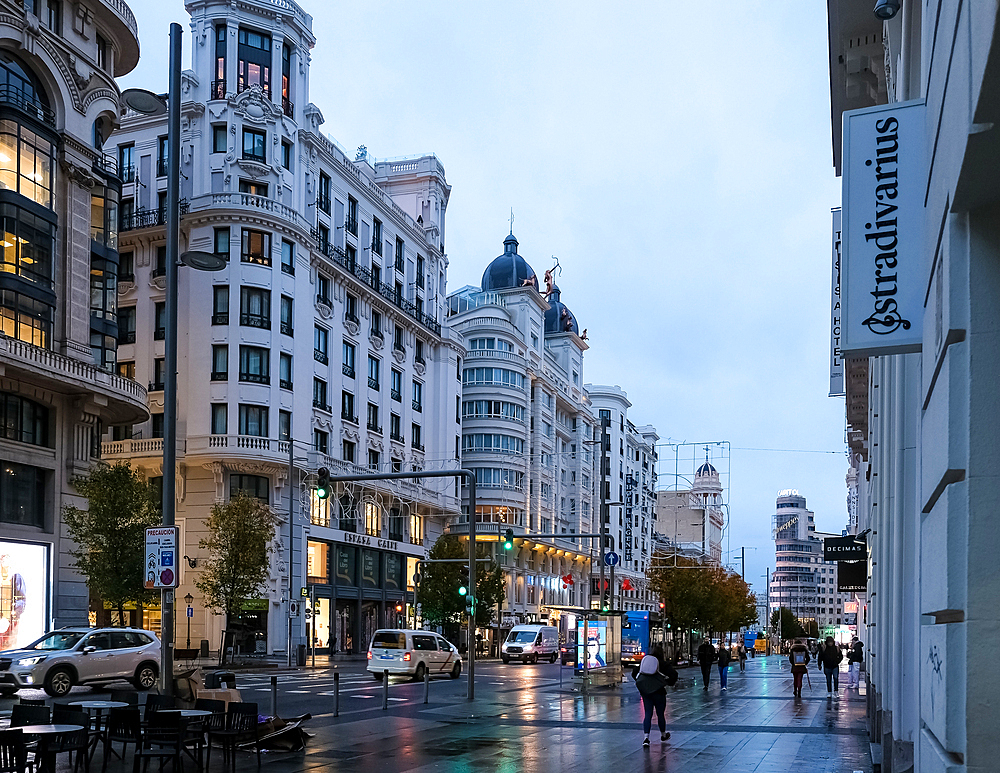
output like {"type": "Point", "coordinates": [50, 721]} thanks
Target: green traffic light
{"type": "Point", "coordinates": [508, 545]}
{"type": "Point", "coordinates": [322, 493]}
{"type": "Point", "coordinates": [462, 590]}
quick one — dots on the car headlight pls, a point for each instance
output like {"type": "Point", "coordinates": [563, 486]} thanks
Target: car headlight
{"type": "Point", "coordinates": [30, 661]}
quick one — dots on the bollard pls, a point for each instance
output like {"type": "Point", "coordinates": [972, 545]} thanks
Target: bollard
{"type": "Point", "coordinates": [427, 685]}
{"type": "Point", "coordinates": [385, 689]}
{"type": "Point", "coordinates": [274, 695]}
{"type": "Point", "coordinates": [336, 693]}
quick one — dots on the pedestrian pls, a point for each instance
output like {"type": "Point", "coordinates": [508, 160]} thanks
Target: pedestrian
{"type": "Point", "coordinates": [742, 653]}
{"type": "Point", "coordinates": [724, 658]}
{"type": "Point", "coordinates": [829, 658]}
{"type": "Point", "coordinates": [855, 655]}
{"type": "Point", "coordinates": [706, 656]}
{"type": "Point", "coordinates": [798, 656]}
{"type": "Point", "coordinates": [652, 678]}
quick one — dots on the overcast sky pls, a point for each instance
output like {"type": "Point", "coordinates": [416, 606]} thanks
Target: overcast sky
{"type": "Point", "coordinates": [674, 156]}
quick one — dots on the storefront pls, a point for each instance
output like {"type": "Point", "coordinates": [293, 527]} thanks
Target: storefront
{"type": "Point", "coordinates": [357, 581]}
{"type": "Point", "coordinates": [24, 593]}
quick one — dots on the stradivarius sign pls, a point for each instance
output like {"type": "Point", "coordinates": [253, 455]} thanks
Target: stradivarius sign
{"type": "Point", "coordinates": [884, 176]}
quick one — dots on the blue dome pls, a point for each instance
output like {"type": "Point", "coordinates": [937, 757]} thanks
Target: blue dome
{"type": "Point", "coordinates": [509, 270]}
{"type": "Point", "coordinates": [559, 319]}
{"type": "Point", "coordinates": [706, 469]}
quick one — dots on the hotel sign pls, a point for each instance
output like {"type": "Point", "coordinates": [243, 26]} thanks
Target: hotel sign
{"type": "Point", "coordinates": [836, 358]}
{"type": "Point", "coordinates": [884, 176]}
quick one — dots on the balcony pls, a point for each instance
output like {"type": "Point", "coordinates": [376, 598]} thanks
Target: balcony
{"type": "Point", "coordinates": [285, 384]}
{"type": "Point", "coordinates": [288, 268]}
{"type": "Point", "coordinates": [346, 416]}
{"type": "Point", "coordinates": [320, 356]}
{"type": "Point", "coordinates": [348, 371]}
{"type": "Point", "coordinates": [255, 320]}
{"type": "Point", "coordinates": [259, 158]}
{"type": "Point", "coordinates": [155, 386]}
{"type": "Point", "coordinates": [351, 224]}
{"type": "Point", "coordinates": [242, 85]}
{"type": "Point", "coordinates": [11, 96]}
{"type": "Point", "coordinates": [419, 359]}
{"type": "Point", "coordinates": [395, 395]}
{"type": "Point", "coordinates": [373, 383]}
{"type": "Point", "coordinates": [323, 202]}
{"type": "Point", "coordinates": [147, 218]}
{"type": "Point", "coordinates": [247, 203]}
{"type": "Point", "coordinates": [321, 405]}
{"type": "Point", "coordinates": [349, 317]}
{"type": "Point", "coordinates": [397, 437]}
{"type": "Point", "coordinates": [132, 447]}
{"type": "Point", "coordinates": [374, 428]}
{"type": "Point", "coordinates": [255, 378]}
{"type": "Point", "coordinates": [217, 90]}
{"type": "Point", "coordinates": [254, 257]}
{"type": "Point", "coordinates": [417, 406]}
{"type": "Point", "coordinates": [126, 276]}
{"type": "Point", "coordinates": [398, 347]}
{"type": "Point", "coordinates": [324, 301]}
{"type": "Point", "coordinates": [219, 375]}
{"type": "Point", "coordinates": [158, 271]}
{"type": "Point", "coordinates": [288, 107]}
{"type": "Point", "coordinates": [417, 446]}
{"type": "Point", "coordinates": [376, 334]}
{"type": "Point", "coordinates": [286, 329]}
{"type": "Point", "coordinates": [221, 318]}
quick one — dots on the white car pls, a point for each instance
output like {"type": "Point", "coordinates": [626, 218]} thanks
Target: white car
{"type": "Point", "coordinates": [92, 656]}
{"type": "Point", "coordinates": [412, 653]}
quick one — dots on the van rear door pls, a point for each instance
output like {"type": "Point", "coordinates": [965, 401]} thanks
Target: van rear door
{"type": "Point", "coordinates": [388, 647]}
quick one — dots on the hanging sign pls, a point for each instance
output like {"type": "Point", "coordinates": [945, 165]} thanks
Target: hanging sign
{"type": "Point", "coordinates": [836, 358]}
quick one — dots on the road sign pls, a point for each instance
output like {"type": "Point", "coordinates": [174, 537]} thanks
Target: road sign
{"type": "Point", "coordinates": [190, 611]}
{"type": "Point", "coordinates": [611, 559]}
{"type": "Point", "coordinates": [160, 569]}
{"type": "Point", "coordinates": [293, 609]}
{"type": "Point", "coordinates": [304, 593]}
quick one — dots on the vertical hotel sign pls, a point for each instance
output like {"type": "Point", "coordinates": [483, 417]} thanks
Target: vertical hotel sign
{"type": "Point", "coordinates": [884, 175]}
{"type": "Point", "coordinates": [836, 309]}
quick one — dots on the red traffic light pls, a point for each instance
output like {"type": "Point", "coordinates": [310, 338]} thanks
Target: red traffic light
{"type": "Point", "coordinates": [662, 605]}
{"type": "Point", "coordinates": [399, 607]}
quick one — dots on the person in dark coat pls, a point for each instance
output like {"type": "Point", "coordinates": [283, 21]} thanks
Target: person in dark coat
{"type": "Point", "coordinates": [706, 657]}
{"type": "Point", "coordinates": [829, 658]}
{"type": "Point", "coordinates": [724, 658]}
{"type": "Point", "coordinates": [652, 677]}
{"type": "Point", "coordinates": [742, 653]}
{"type": "Point", "coordinates": [855, 655]}
{"type": "Point", "coordinates": [798, 656]}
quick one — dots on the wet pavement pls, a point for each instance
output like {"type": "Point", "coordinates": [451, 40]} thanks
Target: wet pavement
{"type": "Point", "coordinates": [524, 720]}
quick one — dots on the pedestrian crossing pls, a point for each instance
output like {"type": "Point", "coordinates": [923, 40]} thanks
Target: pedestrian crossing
{"type": "Point", "coordinates": [360, 685]}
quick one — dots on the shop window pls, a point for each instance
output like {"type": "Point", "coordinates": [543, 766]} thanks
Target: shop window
{"type": "Point", "coordinates": [318, 563]}
{"type": "Point", "coordinates": [256, 486]}
{"type": "Point", "coordinates": [27, 161]}
{"type": "Point", "coordinates": [28, 243]}
{"type": "Point", "coordinates": [23, 420]}
{"type": "Point", "coordinates": [22, 494]}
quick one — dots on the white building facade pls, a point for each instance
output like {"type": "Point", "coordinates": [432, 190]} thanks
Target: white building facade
{"type": "Point", "coordinates": [692, 520]}
{"type": "Point", "coordinates": [58, 304]}
{"type": "Point", "coordinates": [318, 345]}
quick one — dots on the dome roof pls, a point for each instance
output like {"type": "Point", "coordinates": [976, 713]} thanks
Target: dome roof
{"type": "Point", "coordinates": [706, 469]}
{"type": "Point", "coordinates": [559, 319]}
{"type": "Point", "coordinates": [509, 270]}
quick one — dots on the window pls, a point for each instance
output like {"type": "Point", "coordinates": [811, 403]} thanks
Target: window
{"type": "Point", "coordinates": [323, 196]}
{"type": "Point", "coordinates": [416, 529]}
{"type": "Point", "coordinates": [253, 420]}
{"type": "Point", "coordinates": [126, 369]}
{"type": "Point", "coordinates": [420, 271]}
{"type": "Point", "coordinates": [126, 160]}
{"type": "Point", "coordinates": [255, 364]}
{"type": "Point", "coordinates": [286, 81]}
{"type": "Point", "coordinates": [256, 247]}
{"type": "Point", "coordinates": [220, 362]}
{"type": "Point", "coordinates": [53, 16]}
{"type": "Point", "coordinates": [348, 451]}
{"type": "Point", "coordinates": [321, 441]}
{"type": "Point", "coordinates": [254, 63]}
{"type": "Point", "coordinates": [373, 372]}
{"type": "Point", "coordinates": [255, 307]}
{"type": "Point", "coordinates": [493, 443]}
{"type": "Point", "coordinates": [220, 419]}
{"type": "Point", "coordinates": [102, 53]}
{"type": "Point", "coordinates": [159, 320]}
{"type": "Point", "coordinates": [22, 494]}
{"type": "Point", "coordinates": [373, 423]}
{"type": "Point", "coordinates": [377, 236]}
{"type": "Point", "coordinates": [27, 159]}
{"type": "Point", "coordinates": [255, 145]}
{"type": "Point", "coordinates": [350, 257]}
{"type": "Point", "coordinates": [497, 409]}
{"type": "Point", "coordinates": [126, 266]}
{"type": "Point", "coordinates": [28, 241]}
{"type": "Point", "coordinates": [415, 437]}
{"type": "Point", "coordinates": [220, 140]}
{"type": "Point", "coordinates": [395, 427]}
{"type": "Point", "coordinates": [397, 338]}
{"type": "Point", "coordinates": [400, 255]}
{"type": "Point", "coordinates": [286, 154]}
{"type": "Point", "coordinates": [498, 376]}
{"type": "Point", "coordinates": [285, 370]}
{"type": "Point", "coordinates": [256, 486]}
{"type": "Point", "coordinates": [397, 465]}
{"type": "Point", "coordinates": [321, 346]}
{"type": "Point", "coordinates": [220, 305]}
{"type": "Point", "coordinates": [220, 239]}
{"type": "Point", "coordinates": [418, 396]}
{"type": "Point", "coordinates": [286, 316]}
{"type": "Point", "coordinates": [319, 395]}
{"type": "Point", "coordinates": [374, 459]}
{"type": "Point", "coordinates": [156, 385]}
{"type": "Point", "coordinates": [23, 420]}
{"type": "Point", "coordinates": [288, 257]}
{"type": "Point", "coordinates": [376, 329]}
{"type": "Point", "coordinates": [219, 84]}
{"type": "Point", "coordinates": [126, 325]}
{"type": "Point", "coordinates": [160, 269]}
{"type": "Point", "coordinates": [157, 425]}
{"type": "Point", "coordinates": [161, 156]}
{"type": "Point", "coordinates": [253, 188]}
{"type": "Point", "coordinates": [418, 351]}
{"type": "Point", "coordinates": [351, 307]}
{"type": "Point", "coordinates": [348, 359]}
{"type": "Point", "coordinates": [284, 425]}
{"type": "Point", "coordinates": [323, 290]}
{"type": "Point", "coordinates": [347, 407]}
{"type": "Point", "coordinates": [396, 386]}
{"type": "Point", "coordinates": [351, 221]}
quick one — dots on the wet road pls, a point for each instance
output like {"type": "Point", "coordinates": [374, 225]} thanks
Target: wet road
{"type": "Point", "coordinates": [522, 720]}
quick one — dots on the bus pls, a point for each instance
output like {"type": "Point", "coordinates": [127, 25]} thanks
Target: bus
{"type": "Point", "coordinates": [635, 637]}
{"type": "Point", "coordinates": [755, 640]}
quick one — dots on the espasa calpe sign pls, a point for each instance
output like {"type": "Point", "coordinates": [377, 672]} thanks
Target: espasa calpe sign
{"type": "Point", "coordinates": [884, 178]}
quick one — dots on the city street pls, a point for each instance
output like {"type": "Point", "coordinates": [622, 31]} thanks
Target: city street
{"type": "Point", "coordinates": [522, 720]}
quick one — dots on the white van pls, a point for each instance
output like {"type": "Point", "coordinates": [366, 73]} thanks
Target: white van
{"type": "Point", "coordinates": [531, 643]}
{"type": "Point", "coordinates": [412, 653]}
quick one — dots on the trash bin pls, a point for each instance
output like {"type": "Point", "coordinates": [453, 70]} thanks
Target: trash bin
{"type": "Point", "coordinates": [301, 657]}
{"type": "Point", "coordinates": [215, 679]}
{"type": "Point", "coordinates": [204, 648]}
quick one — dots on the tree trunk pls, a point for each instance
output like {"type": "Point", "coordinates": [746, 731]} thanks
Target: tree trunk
{"type": "Point", "coordinates": [121, 612]}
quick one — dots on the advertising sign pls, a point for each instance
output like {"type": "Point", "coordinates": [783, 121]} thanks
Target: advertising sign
{"type": "Point", "coordinates": [852, 577]}
{"type": "Point", "coordinates": [836, 359]}
{"type": "Point", "coordinates": [849, 548]}
{"type": "Point", "coordinates": [161, 557]}
{"type": "Point", "coordinates": [24, 584]}
{"type": "Point", "coordinates": [596, 647]}
{"type": "Point", "coordinates": [884, 177]}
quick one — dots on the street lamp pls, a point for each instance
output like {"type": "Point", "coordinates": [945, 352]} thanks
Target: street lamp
{"type": "Point", "coordinates": [187, 600]}
{"type": "Point", "coordinates": [148, 103]}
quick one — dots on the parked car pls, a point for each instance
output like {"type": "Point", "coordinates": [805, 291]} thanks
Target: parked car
{"type": "Point", "coordinates": [92, 656]}
{"type": "Point", "coordinates": [531, 643]}
{"type": "Point", "coordinates": [412, 653]}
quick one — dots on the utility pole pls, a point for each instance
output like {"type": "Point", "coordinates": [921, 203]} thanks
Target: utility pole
{"type": "Point", "coordinates": [605, 442]}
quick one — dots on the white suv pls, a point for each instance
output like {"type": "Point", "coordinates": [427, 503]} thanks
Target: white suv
{"type": "Point", "coordinates": [90, 656]}
{"type": "Point", "coordinates": [413, 653]}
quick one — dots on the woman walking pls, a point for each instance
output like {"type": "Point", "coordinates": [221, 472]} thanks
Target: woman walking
{"type": "Point", "coordinates": [742, 653]}
{"type": "Point", "coordinates": [798, 656]}
{"type": "Point", "coordinates": [654, 675]}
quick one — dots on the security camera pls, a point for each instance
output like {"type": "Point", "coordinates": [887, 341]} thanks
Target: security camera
{"type": "Point", "coordinates": [886, 9]}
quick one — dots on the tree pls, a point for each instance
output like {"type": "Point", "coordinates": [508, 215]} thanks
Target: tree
{"type": "Point", "coordinates": [111, 533]}
{"type": "Point", "coordinates": [490, 589]}
{"type": "Point", "coordinates": [785, 621]}
{"type": "Point", "coordinates": [440, 602]}
{"type": "Point", "coordinates": [240, 533]}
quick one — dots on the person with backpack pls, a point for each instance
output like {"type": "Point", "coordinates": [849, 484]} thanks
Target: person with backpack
{"type": "Point", "coordinates": [724, 658]}
{"type": "Point", "coordinates": [706, 657]}
{"type": "Point", "coordinates": [652, 678]}
{"type": "Point", "coordinates": [829, 658]}
{"type": "Point", "coordinates": [855, 655]}
{"type": "Point", "coordinates": [798, 656]}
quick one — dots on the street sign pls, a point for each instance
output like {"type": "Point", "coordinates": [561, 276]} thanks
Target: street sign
{"type": "Point", "coordinates": [611, 559]}
{"type": "Point", "coordinates": [190, 612]}
{"type": "Point", "coordinates": [304, 592]}
{"type": "Point", "coordinates": [160, 567]}
{"type": "Point", "coordinates": [293, 609]}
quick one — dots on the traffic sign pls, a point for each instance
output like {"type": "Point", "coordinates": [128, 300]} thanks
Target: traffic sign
{"type": "Point", "coordinates": [190, 612]}
{"type": "Point", "coordinates": [611, 558]}
{"type": "Point", "coordinates": [159, 568]}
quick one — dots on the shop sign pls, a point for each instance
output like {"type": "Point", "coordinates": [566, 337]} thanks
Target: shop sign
{"type": "Point", "coordinates": [836, 358]}
{"type": "Point", "coordinates": [849, 548]}
{"type": "Point", "coordinates": [852, 577]}
{"type": "Point", "coordinates": [253, 605]}
{"type": "Point", "coordinates": [368, 541]}
{"type": "Point", "coordinates": [161, 557]}
{"type": "Point", "coordinates": [24, 592]}
{"type": "Point", "coordinates": [884, 180]}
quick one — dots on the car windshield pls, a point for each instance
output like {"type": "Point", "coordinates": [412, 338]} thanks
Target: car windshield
{"type": "Point", "coordinates": [389, 640]}
{"type": "Point", "coordinates": [522, 637]}
{"type": "Point", "coordinates": [61, 640]}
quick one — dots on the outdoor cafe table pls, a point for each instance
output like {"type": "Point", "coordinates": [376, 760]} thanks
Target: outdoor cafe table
{"type": "Point", "coordinates": [98, 708]}
{"type": "Point", "coordinates": [49, 758]}
{"type": "Point", "coordinates": [187, 713]}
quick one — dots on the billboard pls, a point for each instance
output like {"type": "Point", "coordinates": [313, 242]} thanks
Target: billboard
{"type": "Point", "coordinates": [24, 592]}
{"type": "Point", "coordinates": [597, 644]}
{"type": "Point", "coordinates": [884, 181]}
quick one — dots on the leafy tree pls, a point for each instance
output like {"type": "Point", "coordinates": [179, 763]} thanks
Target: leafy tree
{"type": "Point", "coordinates": [784, 620]}
{"type": "Point", "coordinates": [440, 602]}
{"type": "Point", "coordinates": [490, 590]}
{"type": "Point", "coordinates": [240, 533]}
{"type": "Point", "coordinates": [111, 533]}
{"type": "Point", "coordinates": [812, 629]}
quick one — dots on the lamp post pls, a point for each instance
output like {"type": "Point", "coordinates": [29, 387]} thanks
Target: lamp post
{"type": "Point", "coordinates": [146, 102]}
{"type": "Point", "coordinates": [187, 600]}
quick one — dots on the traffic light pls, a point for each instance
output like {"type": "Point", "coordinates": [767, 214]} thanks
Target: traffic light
{"type": "Point", "coordinates": [662, 606]}
{"type": "Point", "coordinates": [322, 483]}
{"type": "Point", "coordinates": [508, 539]}
{"type": "Point", "coordinates": [463, 580]}
{"type": "Point", "coordinates": [605, 602]}
{"type": "Point", "coordinates": [399, 607]}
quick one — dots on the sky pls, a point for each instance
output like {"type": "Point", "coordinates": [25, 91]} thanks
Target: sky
{"type": "Point", "coordinates": [674, 156]}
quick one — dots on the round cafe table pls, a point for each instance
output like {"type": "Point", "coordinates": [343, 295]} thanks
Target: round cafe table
{"type": "Point", "coordinates": [49, 757]}
{"type": "Point", "coordinates": [187, 713]}
{"type": "Point", "coordinates": [98, 707]}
